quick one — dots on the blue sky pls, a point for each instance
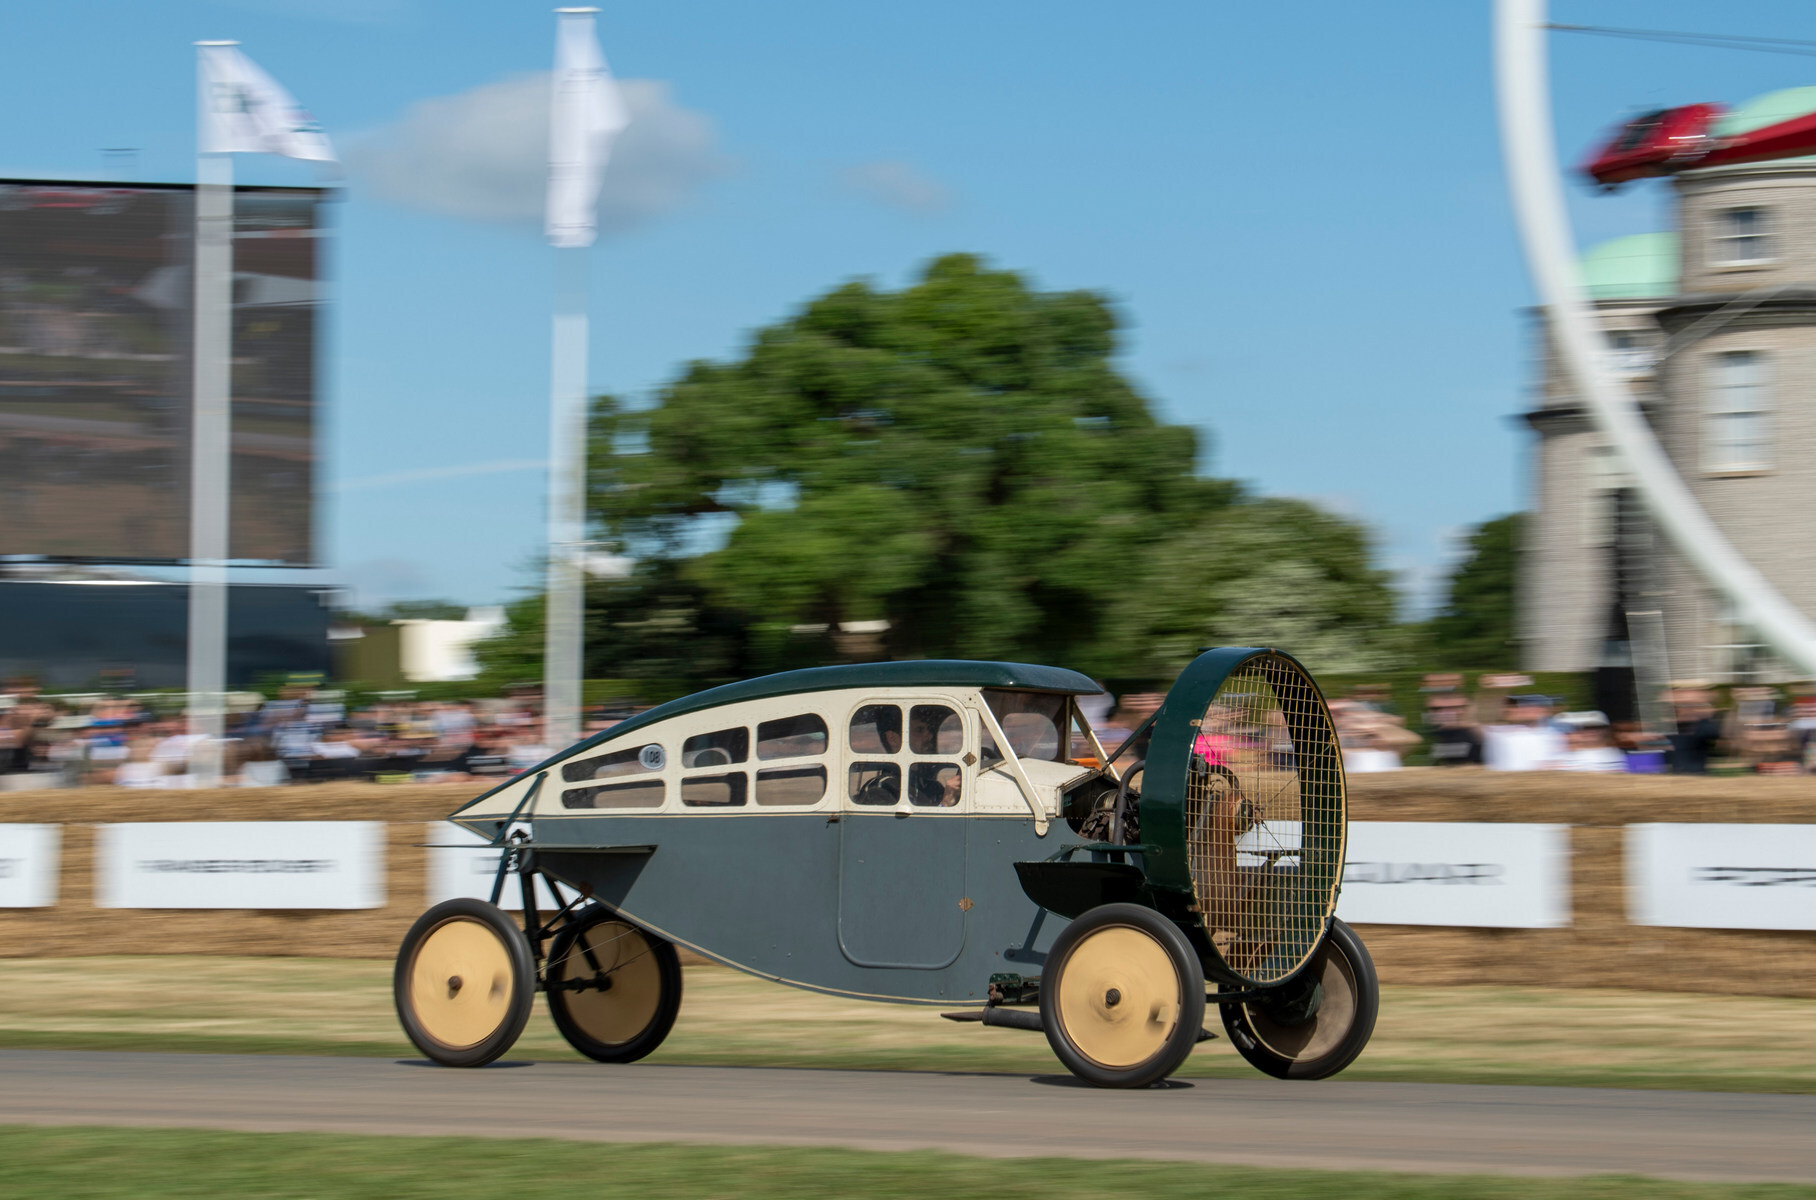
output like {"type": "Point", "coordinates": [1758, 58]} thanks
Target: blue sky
{"type": "Point", "coordinates": [1299, 209]}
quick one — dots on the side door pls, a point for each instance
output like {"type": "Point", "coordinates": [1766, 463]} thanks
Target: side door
{"type": "Point", "coordinates": [909, 773]}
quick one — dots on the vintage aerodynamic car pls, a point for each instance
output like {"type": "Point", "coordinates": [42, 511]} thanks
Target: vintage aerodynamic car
{"type": "Point", "coordinates": [934, 832]}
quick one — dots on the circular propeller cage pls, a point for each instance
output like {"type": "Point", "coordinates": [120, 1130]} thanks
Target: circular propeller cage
{"type": "Point", "coordinates": [1265, 813]}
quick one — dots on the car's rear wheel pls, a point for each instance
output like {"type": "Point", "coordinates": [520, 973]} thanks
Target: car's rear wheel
{"type": "Point", "coordinates": [614, 989]}
{"type": "Point", "coordinates": [1317, 1022]}
{"type": "Point", "coordinates": [1122, 996]}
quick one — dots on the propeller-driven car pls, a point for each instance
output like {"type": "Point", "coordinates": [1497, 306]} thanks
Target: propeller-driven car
{"type": "Point", "coordinates": [946, 833]}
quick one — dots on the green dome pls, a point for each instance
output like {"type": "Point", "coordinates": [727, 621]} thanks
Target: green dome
{"type": "Point", "coordinates": [1640, 267]}
{"type": "Point", "coordinates": [1768, 109]}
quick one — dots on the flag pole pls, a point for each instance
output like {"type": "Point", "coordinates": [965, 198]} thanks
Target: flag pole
{"type": "Point", "coordinates": [565, 637]}
{"type": "Point", "coordinates": [211, 431]}
{"type": "Point", "coordinates": [565, 613]}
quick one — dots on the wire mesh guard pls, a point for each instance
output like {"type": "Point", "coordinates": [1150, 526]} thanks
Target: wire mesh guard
{"type": "Point", "coordinates": [1264, 818]}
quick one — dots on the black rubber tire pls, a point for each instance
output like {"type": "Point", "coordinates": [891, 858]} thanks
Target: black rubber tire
{"type": "Point", "coordinates": [1309, 1049]}
{"type": "Point", "coordinates": [1187, 975]}
{"type": "Point", "coordinates": [509, 978]}
{"type": "Point", "coordinates": [579, 1020]}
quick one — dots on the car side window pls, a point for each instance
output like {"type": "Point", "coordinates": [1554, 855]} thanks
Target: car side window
{"type": "Point", "coordinates": [641, 793]}
{"type": "Point", "coordinates": [635, 760]}
{"type": "Point", "coordinates": [720, 749]}
{"type": "Point", "coordinates": [878, 783]}
{"type": "Point", "coordinates": [791, 785]}
{"type": "Point", "coordinates": [792, 737]}
{"type": "Point", "coordinates": [935, 729]}
{"type": "Point", "coordinates": [876, 729]}
{"type": "Point", "coordinates": [715, 791]}
{"type": "Point", "coordinates": [935, 784]}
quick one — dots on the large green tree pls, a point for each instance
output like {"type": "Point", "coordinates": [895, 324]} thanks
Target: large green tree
{"type": "Point", "coordinates": [961, 459]}
{"type": "Point", "coordinates": [961, 464]}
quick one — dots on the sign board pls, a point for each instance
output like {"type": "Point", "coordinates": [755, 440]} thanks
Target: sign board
{"type": "Point", "coordinates": [240, 864]}
{"type": "Point", "coordinates": [95, 352]}
{"type": "Point", "coordinates": [1708, 876]}
{"type": "Point", "coordinates": [28, 865]}
{"type": "Point", "coordinates": [457, 871]}
{"type": "Point", "coordinates": [1485, 874]}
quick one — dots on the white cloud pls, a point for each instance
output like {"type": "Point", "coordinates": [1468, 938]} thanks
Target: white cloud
{"type": "Point", "coordinates": [482, 155]}
{"type": "Point", "coordinates": [898, 185]}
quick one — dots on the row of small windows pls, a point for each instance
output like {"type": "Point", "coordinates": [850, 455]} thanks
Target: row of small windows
{"type": "Point", "coordinates": [630, 777]}
{"type": "Point", "coordinates": [874, 729]}
{"type": "Point", "coordinates": [780, 787]}
{"type": "Point", "coordinates": [930, 785]}
{"type": "Point", "coordinates": [932, 729]}
{"type": "Point", "coordinates": [803, 736]}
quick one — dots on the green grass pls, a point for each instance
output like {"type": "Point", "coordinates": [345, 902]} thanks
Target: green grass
{"type": "Point", "coordinates": [1583, 1038]}
{"type": "Point", "coordinates": [79, 1163]}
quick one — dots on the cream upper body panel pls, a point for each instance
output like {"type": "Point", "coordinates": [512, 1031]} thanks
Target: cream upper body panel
{"type": "Point", "coordinates": [848, 749]}
{"type": "Point", "coordinates": [779, 754]}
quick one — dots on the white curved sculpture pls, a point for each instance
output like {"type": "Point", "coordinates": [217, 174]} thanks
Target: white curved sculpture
{"type": "Point", "coordinates": [1523, 94]}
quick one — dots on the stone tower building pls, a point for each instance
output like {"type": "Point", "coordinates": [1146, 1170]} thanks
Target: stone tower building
{"type": "Point", "coordinates": [1714, 327]}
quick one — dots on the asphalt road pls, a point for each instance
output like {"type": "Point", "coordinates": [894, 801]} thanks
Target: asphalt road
{"type": "Point", "coordinates": [1379, 1126]}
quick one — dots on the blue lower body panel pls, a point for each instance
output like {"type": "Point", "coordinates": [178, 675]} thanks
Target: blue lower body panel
{"type": "Point", "coordinates": [921, 908]}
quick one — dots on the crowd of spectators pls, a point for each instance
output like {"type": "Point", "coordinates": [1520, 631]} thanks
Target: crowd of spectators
{"type": "Point", "coordinates": [1512, 728]}
{"type": "Point", "coordinates": [303, 734]}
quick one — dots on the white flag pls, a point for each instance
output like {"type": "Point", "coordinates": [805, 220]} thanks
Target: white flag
{"type": "Point", "coordinates": [245, 111]}
{"type": "Point", "coordinates": [585, 115]}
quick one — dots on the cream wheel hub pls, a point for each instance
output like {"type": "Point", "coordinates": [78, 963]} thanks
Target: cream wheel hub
{"type": "Point", "coordinates": [626, 979]}
{"type": "Point", "coordinates": [1119, 997]}
{"type": "Point", "coordinates": [461, 983]}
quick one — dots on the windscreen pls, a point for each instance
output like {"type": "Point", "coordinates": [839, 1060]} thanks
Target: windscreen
{"type": "Point", "coordinates": [1032, 721]}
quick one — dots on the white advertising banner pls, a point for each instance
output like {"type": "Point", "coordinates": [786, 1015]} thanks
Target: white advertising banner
{"type": "Point", "coordinates": [456, 871]}
{"type": "Point", "coordinates": [1484, 874]}
{"type": "Point", "coordinates": [240, 864]}
{"type": "Point", "coordinates": [1708, 876]}
{"type": "Point", "coordinates": [28, 865]}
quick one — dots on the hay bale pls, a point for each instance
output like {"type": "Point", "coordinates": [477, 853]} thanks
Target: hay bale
{"type": "Point", "coordinates": [1599, 949]}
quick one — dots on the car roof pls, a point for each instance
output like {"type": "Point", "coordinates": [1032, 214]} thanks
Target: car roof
{"type": "Point", "coordinates": [926, 672]}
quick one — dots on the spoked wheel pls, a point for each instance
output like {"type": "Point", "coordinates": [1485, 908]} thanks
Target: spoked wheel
{"type": "Point", "coordinates": [1317, 1022]}
{"type": "Point", "coordinates": [464, 983]}
{"type": "Point", "coordinates": [1122, 997]}
{"type": "Point", "coordinates": [613, 989]}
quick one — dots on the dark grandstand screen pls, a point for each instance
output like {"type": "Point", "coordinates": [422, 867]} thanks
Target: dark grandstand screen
{"type": "Point", "coordinates": [96, 295]}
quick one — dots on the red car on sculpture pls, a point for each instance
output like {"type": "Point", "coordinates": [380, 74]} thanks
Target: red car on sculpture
{"type": "Point", "coordinates": [1670, 140]}
{"type": "Point", "coordinates": [1656, 143]}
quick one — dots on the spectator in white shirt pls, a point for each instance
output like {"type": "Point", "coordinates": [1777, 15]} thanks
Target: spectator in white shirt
{"type": "Point", "coordinates": [1525, 740]}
